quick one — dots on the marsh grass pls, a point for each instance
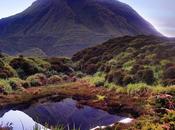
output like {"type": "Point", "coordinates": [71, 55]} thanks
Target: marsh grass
{"type": "Point", "coordinates": [97, 79]}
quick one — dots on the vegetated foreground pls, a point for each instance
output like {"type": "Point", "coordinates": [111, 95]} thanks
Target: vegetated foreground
{"type": "Point", "coordinates": [124, 76]}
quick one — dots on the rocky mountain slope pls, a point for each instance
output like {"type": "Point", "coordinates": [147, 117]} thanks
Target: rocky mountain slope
{"type": "Point", "coordinates": [62, 27]}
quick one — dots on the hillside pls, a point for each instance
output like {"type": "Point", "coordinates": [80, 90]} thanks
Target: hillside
{"type": "Point", "coordinates": [128, 60]}
{"type": "Point", "coordinates": [63, 27]}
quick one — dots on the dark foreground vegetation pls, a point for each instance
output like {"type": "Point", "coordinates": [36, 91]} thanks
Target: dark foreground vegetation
{"type": "Point", "coordinates": [131, 76]}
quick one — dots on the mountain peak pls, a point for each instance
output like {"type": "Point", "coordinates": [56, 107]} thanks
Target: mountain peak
{"type": "Point", "coordinates": [63, 27]}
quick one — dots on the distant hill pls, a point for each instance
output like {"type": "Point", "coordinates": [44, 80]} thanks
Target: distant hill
{"type": "Point", "coordinates": [34, 52]}
{"type": "Point", "coordinates": [63, 27]}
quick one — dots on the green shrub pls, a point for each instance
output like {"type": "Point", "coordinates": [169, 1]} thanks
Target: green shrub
{"type": "Point", "coordinates": [91, 69]}
{"type": "Point", "coordinates": [158, 72]}
{"type": "Point", "coordinates": [122, 90]}
{"type": "Point", "coordinates": [110, 85]}
{"type": "Point", "coordinates": [151, 126]}
{"type": "Point", "coordinates": [25, 67]}
{"type": "Point", "coordinates": [5, 87]}
{"type": "Point", "coordinates": [37, 80]}
{"type": "Point", "coordinates": [136, 68]}
{"type": "Point", "coordinates": [55, 79]}
{"type": "Point", "coordinates": [116, 77]}
{"type": "Point", "coordinates": [1, 64]}
{"type": "Point", "coordinates": [16, 83]}
{"type": "Point", "coordinates": [128, 65]}
{"type": "Point", "coordinates": [97, 79]}
{"type": "Point", "coordinates": [79, 74]}
{"type": "Point", "coordinates": [65, 77]}
{"type": "Point", "coordinates": [169, 75]}
{"type": "Point", "coordinates": [41, 62]}
{"type": "Point", "coordinates": [61, 65]}
{"type": "Point", "coordinates": [165, 101]}
{"type": "Point", "coordinates": [169, 117]}
{"type": "Point", "coordinates": [128, 79]}
{"type": "Point", "coordinates": [51, 72]}
{"type": "Point", "coordinates": [145, 75]}
{"type": "Point", "coordinates": [164, 62]}
{"type": "Point", "coordinates": [6, 72]}
{"type": "Point", "coordinates": [11, 70]}
{"type": "Point", "coordinates": [121, 58]}
{"type": "Point", "coordinates": [117, 88]}
{"type": "Point", "coordinates": [147, 123]}
{"type": "Point", "coordinates": [164, 90]}
{"type": "Point", "coordinates": [169, 120]}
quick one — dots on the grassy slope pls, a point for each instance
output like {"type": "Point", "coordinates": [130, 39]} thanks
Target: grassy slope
{"type": "Point", "coordinates": [146, 59]}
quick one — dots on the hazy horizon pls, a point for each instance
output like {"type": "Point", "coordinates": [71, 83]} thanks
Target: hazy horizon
{"type": "Point", "coordinates": [159, 13]}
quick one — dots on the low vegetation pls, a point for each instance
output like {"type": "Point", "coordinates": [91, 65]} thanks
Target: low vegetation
{"type": "Point", "coordinates": [19, 73]}
{"type": "Point", "coordinates": [127, 60]}
{"type": "Point", "coordinates": [128, 74]}
{"type": "Point", "coordinates": [141, 67]}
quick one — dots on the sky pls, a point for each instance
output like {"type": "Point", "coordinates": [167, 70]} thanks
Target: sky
{"type": "Point", "coordinates": [160, 13]}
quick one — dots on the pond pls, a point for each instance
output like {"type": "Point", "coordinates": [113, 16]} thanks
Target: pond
{"type": "Point", "coordinates": [64, 113]}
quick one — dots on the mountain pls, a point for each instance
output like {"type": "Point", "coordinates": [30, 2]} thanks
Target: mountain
{"type": "Point", "coordinates": [62, 27]}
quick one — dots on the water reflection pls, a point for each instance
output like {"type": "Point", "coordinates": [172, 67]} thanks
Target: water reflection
{"type": "Point", "coordinates": [63, 113]}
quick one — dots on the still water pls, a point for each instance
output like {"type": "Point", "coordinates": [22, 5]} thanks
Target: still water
{"type": "Point", "coordinates": [64, 113]}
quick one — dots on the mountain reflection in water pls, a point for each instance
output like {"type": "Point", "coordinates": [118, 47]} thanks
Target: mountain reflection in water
{"type": "Point", "coordinates": [63, 113]}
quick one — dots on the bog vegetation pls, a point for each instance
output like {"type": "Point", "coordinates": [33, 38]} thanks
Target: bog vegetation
{"type": "Point", "coordinates": [140, 67]}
